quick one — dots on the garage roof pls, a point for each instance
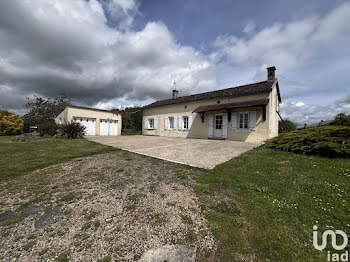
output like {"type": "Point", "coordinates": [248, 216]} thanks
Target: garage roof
{"type": "Point", "coordinates": [260, 102]}
{"type": "Point", "coordinates": [94, 109]}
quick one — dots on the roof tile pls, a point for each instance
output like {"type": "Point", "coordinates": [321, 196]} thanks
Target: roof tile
{"type": "Point", "coordinates": [250, 89]}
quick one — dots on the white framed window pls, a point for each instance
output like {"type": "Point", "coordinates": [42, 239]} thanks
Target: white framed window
{"type": "Point", "coordinates": [150, 123]}
{"type": "Point", "coordinates": [218, 122]}
{"type": "Point", "coordinates": [243, 120]}
{"type": "Point", "coordinates": [171, 123]}
{"type": "Point", "coordinates": [185, 122]}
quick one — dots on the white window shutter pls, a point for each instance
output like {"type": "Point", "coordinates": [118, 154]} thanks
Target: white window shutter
{"type": "Point", "coordinates": [155, 124]}
{"type": "Point", "coordinates": [234, 120]}
{"type": "Point", "coordinates": [189, 122]}
{"type": "Point", "coordinates": [180, 123]}
{"type": "Point", "coordinates": [166, 123]}
{"type": "Point", "coordinates": [210, 131]}
{"type": "Point", "coordinates": [175, 122]}
{"type": "Point", "coordinates": [252, 120]}
{"type": "Point", "coordinates": [145, 124]}
{"type": "Point", "coordinates": [224, 125]}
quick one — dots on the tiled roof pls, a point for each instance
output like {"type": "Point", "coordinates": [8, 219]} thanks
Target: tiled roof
{"type": "Point", "coordinates": [260, 102]}
{"type": "Point", "coordinates": [251, 89]}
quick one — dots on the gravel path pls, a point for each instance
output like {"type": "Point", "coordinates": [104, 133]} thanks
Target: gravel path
{"type": "Point", "coordinates": [111, 207]}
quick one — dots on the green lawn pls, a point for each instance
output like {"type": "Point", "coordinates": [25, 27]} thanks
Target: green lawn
{"type": "Point", "coordinates": [19, 158]}
{"type": "Point", "coordinates": [261, 206]}
{"type": "Point", "coordinates": [265, 203]}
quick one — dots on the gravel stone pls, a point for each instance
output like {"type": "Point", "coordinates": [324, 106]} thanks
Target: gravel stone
{"type": "Point", "coordinates": [119, 205]}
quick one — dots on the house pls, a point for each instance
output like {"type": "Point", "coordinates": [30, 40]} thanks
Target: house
{"type": "Point", "coordinates": [244, 113]}
{"type": "Point", "coordinates": [97, 121]}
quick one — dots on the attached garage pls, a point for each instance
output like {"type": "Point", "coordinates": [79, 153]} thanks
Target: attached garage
{"type": "Point", "coordinates": [97, 122]}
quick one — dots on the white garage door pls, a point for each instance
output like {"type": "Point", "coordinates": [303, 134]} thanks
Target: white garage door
{"type": "Point", "coordinates": [108, 127]}
{"type": "Point", "coordinates": [89, 123]}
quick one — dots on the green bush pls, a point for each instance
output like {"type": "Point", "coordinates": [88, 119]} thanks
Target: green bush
{"type": "Point", "coordinates": [131, 132]}
{"type": "Point", "coordinates": [286, 126]}
{"type": "Point", "coordinates": [72, 130]}
{"type": "Point", "coordinates": [29, 137]}
{"type": "Point", "coordinates": [48, 128]}
{"type": "Point", "coordinates": [341, 120]}
{"type": "Point", "coordinates": [328, 141]}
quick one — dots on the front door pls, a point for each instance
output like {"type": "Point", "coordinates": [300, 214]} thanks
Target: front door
{"type": "Point", "coordinates": [218, 121]}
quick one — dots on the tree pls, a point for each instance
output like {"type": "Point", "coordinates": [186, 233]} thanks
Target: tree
{"type": "Point", "coordinates": [42, 110]}
{"type": "Point", "coordinates": [341, 120]}
{"type": "Point", "coordinates": [10, 123]}
{"type": "Point", "coordinates": [286, 126]}
{"type": "Point", "coordinates": [132, 118]}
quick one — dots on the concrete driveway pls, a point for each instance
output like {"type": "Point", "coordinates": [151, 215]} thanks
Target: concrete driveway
{"type": "Point", "coordinates": [202, 153]}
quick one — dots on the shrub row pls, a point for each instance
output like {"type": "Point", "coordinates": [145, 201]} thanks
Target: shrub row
{"type": "Point", "coordinates": [328, 141]}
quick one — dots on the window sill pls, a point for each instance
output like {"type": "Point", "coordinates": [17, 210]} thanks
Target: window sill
{"type": "Point", "coordinates": [243, 129]}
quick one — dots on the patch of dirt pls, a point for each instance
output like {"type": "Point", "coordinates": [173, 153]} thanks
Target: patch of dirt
{"type": "Point", "coordinates": [114, 206]}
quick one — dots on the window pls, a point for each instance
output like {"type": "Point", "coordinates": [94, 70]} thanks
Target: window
{"type": "Point", "coordinates": [171, 123]}
{"type": "Point", "coordinates": [243, 120]}
{"type": "Point", "coordinates": [218, 122]}
{"type": "Point", "coordinates": [151, 123]}
{"type": "Point", "coordinates": [185, 122]}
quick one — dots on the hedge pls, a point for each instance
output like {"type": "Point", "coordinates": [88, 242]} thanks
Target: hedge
{"type": "Point", "coordinates": [328, 141]}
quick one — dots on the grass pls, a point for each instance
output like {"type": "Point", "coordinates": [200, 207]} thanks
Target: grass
{"type": "Point", "coordinates": [265, 203]}
{"type": "Point", "coordinates": [17, 159]}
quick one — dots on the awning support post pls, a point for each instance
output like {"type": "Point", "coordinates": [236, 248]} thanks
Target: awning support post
{"type": "Point", "coordinates": [228, 114]}
{"type": "Point", "coordinates": [202, 116]}
{"type": "Point", "coordinates": [264, 113]}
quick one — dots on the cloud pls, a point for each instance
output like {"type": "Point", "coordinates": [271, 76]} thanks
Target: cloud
{"type": "Point", "coordinates": [249, 28]}
{"type": "Point", "coordinates": [121, 12]}
{"type": "Point", "coordinates": [344, 102]}
{"type": "Point", "coordinates": [69, 47]}
{"type": "Point", "coordinates": [303, 113]}
{"type": "Point", "coordinates": [291, 45]}
{"type": "Point", "coordinates": [106, 106]}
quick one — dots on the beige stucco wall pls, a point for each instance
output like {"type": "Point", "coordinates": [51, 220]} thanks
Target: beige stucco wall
{"type": "Point", "coordinates": [264, 129]}
{"type": "Point", "coordinates": [69, 113]}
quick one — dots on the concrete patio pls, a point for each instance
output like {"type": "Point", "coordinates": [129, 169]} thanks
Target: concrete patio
{"type": "Point", "coordinates": [201, 153]}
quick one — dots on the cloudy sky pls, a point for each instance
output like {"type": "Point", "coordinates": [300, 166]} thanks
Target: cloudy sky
{"type": "Point", "coordinates": [112, 53]}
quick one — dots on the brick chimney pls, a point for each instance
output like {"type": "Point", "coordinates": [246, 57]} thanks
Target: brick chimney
{"type": "Point", "coordinates": [271, 73]}
{"type": "Point", "coordinates": [175, 94]}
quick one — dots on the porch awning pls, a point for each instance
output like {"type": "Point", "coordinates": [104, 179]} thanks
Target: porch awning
{"type": "Point", "coordinates": [251, 103]}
